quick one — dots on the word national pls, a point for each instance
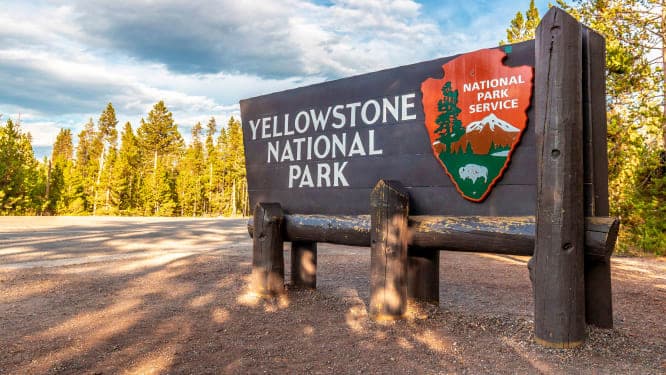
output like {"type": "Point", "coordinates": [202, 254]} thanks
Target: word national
{"type": "Point", "coordinates": [345, 133]}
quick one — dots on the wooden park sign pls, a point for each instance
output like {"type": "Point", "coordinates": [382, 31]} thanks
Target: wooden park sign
{"type": "Point", "coordinates": [501, 150]}
{"type": "Point", "coordinates": [321, 149]}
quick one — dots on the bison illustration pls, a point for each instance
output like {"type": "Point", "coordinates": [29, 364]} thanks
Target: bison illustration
{"type": "Point", "coordinates": [473, 172]}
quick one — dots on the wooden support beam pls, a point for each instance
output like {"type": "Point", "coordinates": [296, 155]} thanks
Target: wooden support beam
{"type": "Point", "coordinates": [600, 237]}
{"type": "Point", "coordinates": [598, 294]}
{"type": "Point", "coordinates": [389, 207]}
{"type": "Point", "coordinates": [500, 235]}
{"type": "Point", "coordinates": [304, 264]}
{"type": "Point", "coordinates": [559, 290]}
{"type": "Point", "coordinates": [267, 250]}
{"type": "Point", "coordinates": [423, 275]}
{"type": "Point", "coordinates": [343, 230]}
{"type": "Point", "coordinates": [594, 91]}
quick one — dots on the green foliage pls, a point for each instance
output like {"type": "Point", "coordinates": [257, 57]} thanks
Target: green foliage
{"type": "Point", "coordinates": [61, 159]}
{"type": "Point", "coordinates": [150, 173]}
{"type": "Point", "coordinates": [522, 28]}
{"type": "Point", "coordinates": [126, 176]}
{"type": "Point", "coordinates": [88, 152]}
{"type": "Point", "coordinates": [234, 163]}
{"type": "Point", "coordinates": [22, 181]}
{"type": "Point", "coordinates": [160, 145]}
{"type": "Point", "coordinates": [63, 148]}
{"type": "Point", "coordinates": [190, 182]}
{"type": "Point", "coordinates": [107, 126]}
{"type": "Point", "coordinates": [159, 135]}
{"type": "Point", "coordinates": [105, 198]}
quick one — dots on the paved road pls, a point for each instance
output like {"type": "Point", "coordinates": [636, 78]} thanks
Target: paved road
{"type": "Point", "coordinates": [54, 241]}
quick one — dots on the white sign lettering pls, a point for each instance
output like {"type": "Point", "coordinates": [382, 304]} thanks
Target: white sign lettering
{"type": "Point", "coordinates": [342, 137]}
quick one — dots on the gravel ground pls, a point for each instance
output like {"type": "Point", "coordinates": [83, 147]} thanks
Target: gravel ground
{"type": "Point", "coordinates": [140, 295]}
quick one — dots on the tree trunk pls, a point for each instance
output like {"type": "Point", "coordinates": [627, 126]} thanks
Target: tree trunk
{"type": "Point", "coordinates": [663, 78]}
{"type": "Point", "coordinates": [210, 189]}
{"type": "Point", "coordinates": [157, 207]}
{"type": "Point", "coordinates": [99, 178]}
{"type": "Point", "coordinates": [246, 202]}
{"type": "Point", "coordinates": [48, 181]}
{"type": "Point", "coordinates": [130, 193]}
{"type": "Point", "coordinates": [95, 201]}
{"type": "Point", "coordinates": [106, 204]}
{"type": "Point", "coordinates": [196, 199]}
{"type": "Point", "coordinates": [233, 199]}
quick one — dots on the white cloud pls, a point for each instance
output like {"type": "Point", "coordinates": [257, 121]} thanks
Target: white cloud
{"type": "Point", "coordinates": [62, 61]}
{"type": "Point", "coordinates": [276, 40]}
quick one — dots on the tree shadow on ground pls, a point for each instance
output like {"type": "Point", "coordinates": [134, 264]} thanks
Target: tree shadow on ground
{"type": "Point", "coordinates": [195, 315]}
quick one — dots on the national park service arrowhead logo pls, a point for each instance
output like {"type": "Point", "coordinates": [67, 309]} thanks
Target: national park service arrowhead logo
{"type": "Point", "coordinates": [475, 116]}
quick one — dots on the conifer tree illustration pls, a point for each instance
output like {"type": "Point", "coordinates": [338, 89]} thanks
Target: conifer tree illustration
{"type": "Point", "coordinates": [450, 128]}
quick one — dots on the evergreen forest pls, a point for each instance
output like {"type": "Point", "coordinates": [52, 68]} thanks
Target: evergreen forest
{"type": "Point", "coordinates": [144, 171]}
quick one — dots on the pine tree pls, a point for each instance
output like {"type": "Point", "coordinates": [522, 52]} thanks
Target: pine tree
{"type": "Point", "coordinates": [160, 144]}
{"type": "Point", "coordinates": [61, 160]}
{"type": "Point", "coordinates": [532, 20]}
{"type": "Point", "coordinates": [108, 137]}
{"type": "Point", "coordinates": [219, 201]}
{"type": "Point", "coordinates": [212, 164]}
{"type": "Point", "coordinates": [127, 173]}
{"type": "Point", "coordinates": [522, 28]}
{"type": "Point", "coordinates": [235, 168]}
{"type": "Point", "coordinates": [21, 186]}
{"type": "Point", "coordinates": [450, 128]}
{"type": "Point", "coordinates": [63, 148]}
{"type": "Point", "coordinates": [190, 177]}
{"type": "Point", "coordinates": [88, 152]}
{"type": "Point", "coordinates": [74, 200]}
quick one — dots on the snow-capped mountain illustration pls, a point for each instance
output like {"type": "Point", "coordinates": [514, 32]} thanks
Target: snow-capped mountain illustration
{"type": "Point", "coordinates": [491, 121]}
{"type": "Point", "coordinates": [483, 135]}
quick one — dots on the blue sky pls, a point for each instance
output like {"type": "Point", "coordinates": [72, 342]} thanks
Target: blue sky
{"type": "Point", "coordinates": [62, 61]}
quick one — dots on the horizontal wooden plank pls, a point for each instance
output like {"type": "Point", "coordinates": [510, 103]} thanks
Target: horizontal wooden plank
{"type": "Point", "coordinates": [502, 235]}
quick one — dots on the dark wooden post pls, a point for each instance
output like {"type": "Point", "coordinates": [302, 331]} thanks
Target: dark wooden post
{"type": "Point", "coordinates": [267, 249]}
{"type": "Point", "coordinates": [423, 274]}
{"type": "Point", "coordinates": [304, 264]}
{"type": "Point", "coordinates": [559, 293]}
{"type": "Point", "coordinates": [598, 296]}
{"type": "Point", "coordinates": [389, 207]}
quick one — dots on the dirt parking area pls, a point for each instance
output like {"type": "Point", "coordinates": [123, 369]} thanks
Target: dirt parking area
{"type": "Point", "coordinates": [137, 295]}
